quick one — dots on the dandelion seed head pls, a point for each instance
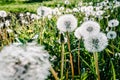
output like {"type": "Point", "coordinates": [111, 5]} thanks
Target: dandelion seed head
{"type": "Point", "coordinates": [89, 28]}
{"type": "Point", "coordinates": [113, 23]}
{"type": "Point", "coordinates": [111, 35]}
{"type": "Point", "coordinates": [29, 62]}
{"type": "Point", "coordinates": [67, 23]}
{"type": "Point", "coordinates": [28, 13]}
{"type": "Point", "coordinates": [44, 11]}
{"type": "Point", "coordinates": [67, 2]}
{"type": "Point", "coordinates": [3, 13]}
{"type": "Point", "coordinates": [96, 43]}
{"type": "Point", "coordinates": [7, 23]}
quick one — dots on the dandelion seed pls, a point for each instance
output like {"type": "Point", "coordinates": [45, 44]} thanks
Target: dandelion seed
{"type": "Point", "coordinates": [67, 23]}
{"type": "Point", "coordinates": [28, 63]}
{"type": "Point", "coordinates": [89, 28]}
{"type": "Point", "coordinates": [3, 14]}
{"type": "Point", "coordinates": [111, 35]}
{"type": "Point", "coordinates": [113, 23]}
{"type": "Point", "coordinates": [96, 43]}
{"type": "Point", "coordinates": [44, 11]}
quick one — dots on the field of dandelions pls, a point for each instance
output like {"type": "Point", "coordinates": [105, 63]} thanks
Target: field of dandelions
{"type": "Point", "coordinates": [61, 40]}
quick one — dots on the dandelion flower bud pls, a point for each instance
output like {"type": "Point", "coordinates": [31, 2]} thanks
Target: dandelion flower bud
{"type": "Point", "coordinates": [67, 23]}
{"type": "Point", "coordinates": [24, 63]}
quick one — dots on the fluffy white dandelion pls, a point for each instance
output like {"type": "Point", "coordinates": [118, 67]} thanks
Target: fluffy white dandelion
{"type": "Point", "coordinates": [113, 23]}
{"type": "Point", "coordinates": [44, 11]}
{"type": "Point", "coordinates": [66, 23]}
{"type": "Point", "coordinates": [111, 35]}
{"type": "Point", "coordinates": [96, 43]}
{"type": "Point", "coordinates": [89, 28]}
{"type": "Point", "coordinates": [28, 13]}
{"type": "Point", "coordinates": [24, 63]}
{"type": "Point", "coordinates": [7, 23]}
{"type": "Point", "coordinates": [34, 17]}
{"type": "Point", "coordinates": [67, 2]}
{"type": "Point", "coordinates": [77, 33]}
{"type": "Point", "coordinates": [3, 13]}
{"type": "Point", "coordinates": [21, 14]}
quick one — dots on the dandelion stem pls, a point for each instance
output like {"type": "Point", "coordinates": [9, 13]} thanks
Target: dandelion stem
{"type": "Point", "coordinates": [62, 60]}
{"type": "Point", "coordinates": [96, 65]}
{"type": "Point", "coordinates": [54, 73]}
{"type": "Point", "coordinates": [78, 57]}
{"type": "Point", "coordinates": [71, 62]}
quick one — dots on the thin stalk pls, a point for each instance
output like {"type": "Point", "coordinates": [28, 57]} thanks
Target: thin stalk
{"type": "Point", "coordinates": [96, 65]}
{"type": "Point", "coordinates": [54, 73]}
{"type": "Point", "coordinates": [62, 60]}
{"type": "Point", "coordinates": [79, 57]}
{"type": "Point", "coordinates": [71, 62]}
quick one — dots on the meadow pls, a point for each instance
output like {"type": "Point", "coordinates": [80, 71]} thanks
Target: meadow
{"type": "Point", "coordinates": [60, 40]}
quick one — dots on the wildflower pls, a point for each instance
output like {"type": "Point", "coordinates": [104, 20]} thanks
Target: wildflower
{"type": "Point", "coordinates": [34, 17]}
{"type": "Point", "coordinates": [77, 33]}
{"type": "Point", "coordinates": [111, 35]}
{"type": "Point", "coordinates": [24, 63]}
{"type": "Point", "coordinates": [7, 23]}
{"type": "Point", "coordinates": [67, 23]}
{"type": "Point", "coordinates": [67, 2]}
{"type": "Point", "coordinates": [75, 10]}
{"type": "Point", "coordinates": [96, 43]}
{"type": "Point", "coordinates": [113, 23]}
{"type": "Point", "coordinates": [89, 28]}
{"type": "Point", "coordinates": [99, 13]}
{"type": "Point", "coordinates": [28, 13]}
{"type": "Point", "coordinates": [21, 14]}
{"type": "Point", "coordinates": [3, 13]}
{"type": "Point", "coordinates": [44, 11]}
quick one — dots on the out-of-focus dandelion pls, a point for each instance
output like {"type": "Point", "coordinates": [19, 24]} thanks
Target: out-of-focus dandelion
{"type": "Point", "coordinates": [1, 24]}
{"type": "Point", "coordinates": [89, 28]}
{"type": "Point", "coordinates": [7, 23]}
{"type": "Point", "coordinates": [67, 23]}
{"type": "Point", "coordinates": [3, 13]}
{"type": "Point", "coordinates": [113, 23]}
{"type": "Point", "coordinates": [43, 11]}
{"type": "Point", "coordinates": [24, 63]}
{"type": "Point", "coordinates": [67, 2]}
{"type": "Point", "coordinates": [77, 34]}
{"type": "Point", "coordinates": [111, 35]}
{"type": "Point", "coordinates": [96, 43]}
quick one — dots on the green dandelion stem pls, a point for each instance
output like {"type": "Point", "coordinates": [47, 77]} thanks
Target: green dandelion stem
{"type": "Point", "coordinates": [71, 61]}
{"type": "Point", "coordinates": [96, 65]}
{"type": "Point", "coordinates": [79, 57]}
{"type": "Point", "coordinates": [62, 60]}
{"type": "Point", "coordinates": [54, 73]}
